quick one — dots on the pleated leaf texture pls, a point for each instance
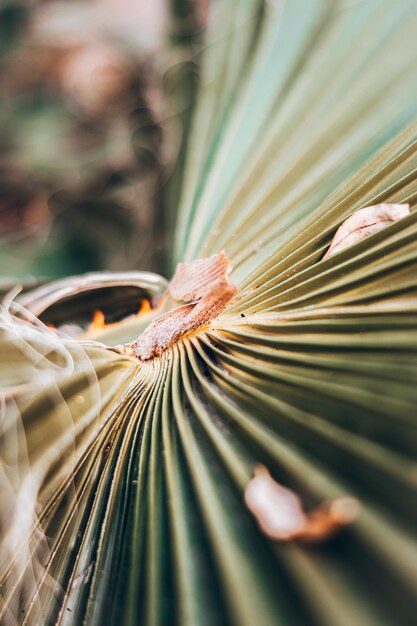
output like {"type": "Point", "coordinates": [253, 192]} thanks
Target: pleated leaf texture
{"type": "Point", "coordinates": [123, 481]}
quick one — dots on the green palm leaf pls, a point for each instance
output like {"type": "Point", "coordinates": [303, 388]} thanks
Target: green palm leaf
{"type": "Point", "coordinates": [123, 481]}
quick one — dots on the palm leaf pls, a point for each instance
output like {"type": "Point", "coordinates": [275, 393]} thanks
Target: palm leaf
{"type": "Point", "coordinates": [124, 480]}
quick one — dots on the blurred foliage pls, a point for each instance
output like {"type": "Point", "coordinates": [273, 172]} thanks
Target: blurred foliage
{"type": "Point", "coordinates": [96, 100]}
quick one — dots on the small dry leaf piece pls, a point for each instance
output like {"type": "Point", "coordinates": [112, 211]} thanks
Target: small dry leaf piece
{"type": "Point", "coordinates": [205, 281]}
{"type": "Point", "coordinates": [194, 280]}
{"type": "Point", "coordinates": [365, 222]}
{"type": "Point", "coordinates": [280, 514]}
{"type": "Point", "coordinates": [328, 519]}
{"type": "Point", "coordinates": [277, 509]}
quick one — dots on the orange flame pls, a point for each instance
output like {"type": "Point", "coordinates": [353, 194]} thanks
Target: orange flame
{"type": "Point", "coordinates": [145, 307]}
{"type": "Point", "coordinates": [98, 322]}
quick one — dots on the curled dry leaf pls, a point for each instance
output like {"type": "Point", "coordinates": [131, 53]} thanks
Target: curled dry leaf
{"type": "Point", "coordinates": [194, 280]}
{"type": "Point", "coordinates": [277, 509]}
{"type": "Point", "coordinates": [280, 514]}
{"type": "Point", "coordinates": [204, 282]}
{"type": "Point", "coordinates": [364, 222]}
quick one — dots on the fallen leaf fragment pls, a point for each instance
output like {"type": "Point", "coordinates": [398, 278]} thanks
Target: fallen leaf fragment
{"type": "Point", "coordinates": [277, 509]}
{"type": "Point", "coordinates": [280, 514]}
{"type": "Point", "coordinates": [194, 280]}
{"type": "Point", "coordinates": [365, 222]}
{"type": "Point", "coordinates": [204, 284]}
{"type": "Point", "coordinates": [329, 519]}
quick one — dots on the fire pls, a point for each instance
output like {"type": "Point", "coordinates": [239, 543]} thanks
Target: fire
{"type": "Point", "coordinates": [99, 321]}
{"type": "Point", "coordinates": [145, 307]}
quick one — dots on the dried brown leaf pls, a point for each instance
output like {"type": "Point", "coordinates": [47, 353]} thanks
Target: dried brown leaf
{"type": "Point", "coordinates": [205, 281]}
{"type": "Point", "coordinates": [277, 509]}
{"type": "Point", "coordinates": [328, 519]}
{"type": "Point", "coordinates": [194, 280]}
{"type": "Point", "coordinates": [365, 222]}
{"type": "Point", "coordinates": [280, 514]}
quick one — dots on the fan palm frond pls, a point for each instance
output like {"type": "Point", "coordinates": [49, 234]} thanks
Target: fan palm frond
{"type": "Point", "coordinates": [125, 479]}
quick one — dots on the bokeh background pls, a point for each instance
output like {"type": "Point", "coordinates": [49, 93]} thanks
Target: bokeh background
{"type": "Point", "coordinates": [97, 97]}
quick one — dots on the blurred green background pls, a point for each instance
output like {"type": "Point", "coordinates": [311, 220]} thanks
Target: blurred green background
{"type": "Point", "coordinates": [96, 103]}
